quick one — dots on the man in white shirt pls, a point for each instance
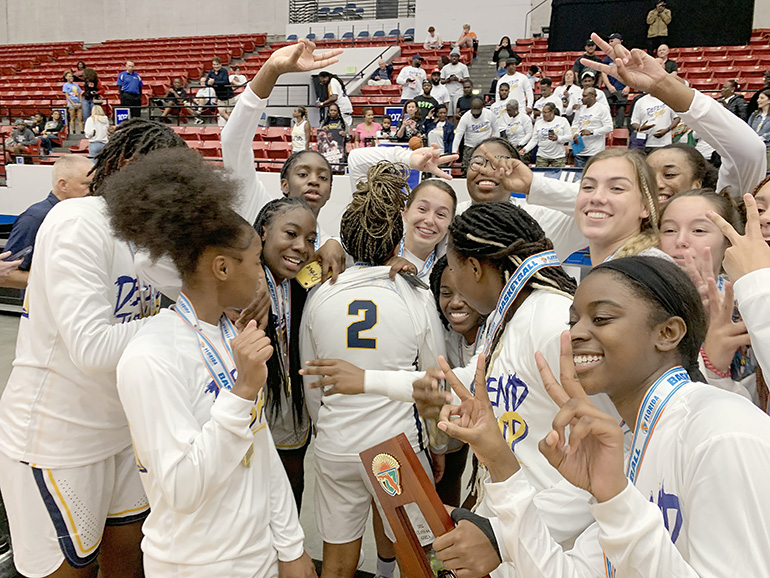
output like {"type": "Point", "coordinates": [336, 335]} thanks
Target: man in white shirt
{"type": "Point", "coordinates": [498, 107]}
{"type": "Point", "coordinates": [411, 78]}
{"type": "Point", "coordinates": [439, 91]}
{"type": "Point", "coordinates": [516, 125]}
{"type": "Point", "coordinates": [477, 125]}
{"type": "Point", "coordinates": [204, 98]}
{"type": "Point", "coordinates": [547, 95]}
{"type": "Point", "coordinates": [592, 122]}
{"type": "Point", "coordinates": [518, 84]}
{"type": "Point", "coordinates": [588, 79]}
{"type": "Point", "coordinates": [452, 76]}
{"type": "Point", "coordinates": [237, 80]}
{"type": "Point", "coordinates": [654, 121]}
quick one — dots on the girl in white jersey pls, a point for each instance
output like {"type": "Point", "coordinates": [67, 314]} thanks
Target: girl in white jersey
{"type": "Point", "coordinates": [66, 467]}
{"type": "Point", "coordinates": [300, 131]}
{"type": "Point", "coordinates": [193, 389]}
{"type": "Point", "coordinates": [686, 500]}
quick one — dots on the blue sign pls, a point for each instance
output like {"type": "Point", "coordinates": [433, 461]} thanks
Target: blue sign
{"type": "Point", "coordinates": [121, 114]}
{"type": "Point", "coordinates": [394, 112]}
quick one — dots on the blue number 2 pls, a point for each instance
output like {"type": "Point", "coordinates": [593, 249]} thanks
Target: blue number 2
{"type": "Point", "coordinates": [355, 341]}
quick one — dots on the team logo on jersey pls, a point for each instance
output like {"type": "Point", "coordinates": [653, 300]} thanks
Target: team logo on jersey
{"type": "Point", "coordinates": [507, 393]}
{"type": "Point", "coordinates": [386, 470]}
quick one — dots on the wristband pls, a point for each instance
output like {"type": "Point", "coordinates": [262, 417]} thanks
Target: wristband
{"type": "Point", "coordinates": [480, 522]}
{"type": "Point", "coordinates": [710, 366]}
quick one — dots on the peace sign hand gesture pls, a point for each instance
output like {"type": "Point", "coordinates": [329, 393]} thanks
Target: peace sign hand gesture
{"type": "Point", "coordinates": [513, 174]}
{"type": "Point", "coordinates": [592, 458]}
{"type": "Point", "coordinates": [429, 160]}
{"type": "Point", "coordinates": [299, 57]}
{"type": "Point", "coordinates": [748, 252]}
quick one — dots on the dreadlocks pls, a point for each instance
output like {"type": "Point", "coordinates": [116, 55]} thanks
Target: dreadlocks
{"type": "Point", "coordinates": [133, 137]}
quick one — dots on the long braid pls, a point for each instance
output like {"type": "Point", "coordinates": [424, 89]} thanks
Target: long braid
{"type": "Point", "coordinates": [133, 137]}
{"type": "Point", "coordinates": [372, 227]}
{"type": "Point", "coordinates": [506, 235]}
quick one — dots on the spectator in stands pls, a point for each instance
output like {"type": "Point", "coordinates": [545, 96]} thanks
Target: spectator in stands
{"type": "Point", "coordinates": [130, 86]}
{"type": "Point", "coordinates": [433, 41]}
{"type": "Point", "coordinates": [655, 120]}
{"type": "Point", "coordinates": [519, 86]}
{"type": "Point", "coordinates": [589, 79]}
{"type": "Point", "coordinates": [452, 77]}
{"type": "Point", "coordinates": [734, 102]}
{"type": "Point", "coordinates": [425, 101]}
{"type": "Point", "coordinates": [300, 130]}
{"type": "Point", "coordinates": [439, 91]}
{"type": "Point", "coordinates": [569, 93]}
{"type": "Point", "coordinates": [90, 92]}
{"type": "Point", "coordinates": [476, 126]}
{"type": "Point", "coordinates": [411, 123]}
{"type": "Point", "coordinates": [550, 133]}
{"type": "Point", "coordinates": [503, 51]}
{"type": "Point", "coordinates": [237, 79]}
{"type": "Point", "coordinates": [499, 106]}
{"type": "Point", "coordinates": [658, 20]}
{"type": "Point", "coordinates": [466, 100]}
{"type": "Point", "coordinates": [670, 65]}
{"type": "Point", "coordinates": [176, 99]}
{"type": "Point", "coordinates": [546, 96]}
{"type": "Point", "coordinates": [533, 75]}
{"type": "Point", "coordinates": [388, 132]}
{"type": "Point", "coordinates": [616, 91]}
{"type": "Point", "coordinates": [366, 131]}
{"type": "Point", "coordinates": [219, 79]}
{"type": "Point", "coordinates": [753, 100]}
{"type": "Point", "coordinates": [38, 123]}
{"type": "Point", "coordinates": [382, 75]}
{"type": "Point", "coordinates": [337, 95]}
{"type": "Point", "coordinates": [335, 131]}
{"type": "Point", "coordinates": [97, 131]}
{"type": "Point", "coordinates": [50, 133]}
{"type": "Point", "coordinates": [516, 127]}
{"type": "Point", "coordinates": [71, 179]}
{"type": "Point", "coordinates": [205, 99]}
{"type": "Point", "coordinates": [591, 125]}
{"type": "Point", "coordinates": [590, 54]}
{"type": "Point", "coordinates": [467, 39]}
{"type": "Point", "coordinates": [411, 78]}
{"type": "Point", "coordinates": [759, 120]}
{"type": "Point", "coordinates": [20, 139]}
{"type": "Point", "coordinates": [440, 131]}
{"type": "Point", "coordinates": [72, 93]}
{"type": "Point", "coordinates": [79, 72]}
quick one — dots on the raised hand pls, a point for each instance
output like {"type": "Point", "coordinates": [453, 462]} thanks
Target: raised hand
{"type": "Point", "coordinates": [299, 57]}
{"type": "Point", "coordinates": [592, 458]}
{"type": "Point", "coordinates": [429, 160]}
{"type": "Point", "coordinates": [251, 350]}
{"type": "Point", "coordinates": [748, 252]}
{"type": "Point", "coordinates": [724, 336]}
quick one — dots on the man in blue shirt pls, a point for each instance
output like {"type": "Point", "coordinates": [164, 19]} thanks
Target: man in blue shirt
{"type": "Point", "coordinates": [130, 85]}
{"type": "Point", "coordinates": [616, 91]}
{"type": "Point", "coordinates": [219, 79]}
{"type": "Point", "coordinates": [70, 180]}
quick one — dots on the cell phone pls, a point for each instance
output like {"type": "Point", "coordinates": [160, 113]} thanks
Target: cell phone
{"type": "Point", "coordinates": [20, 254]}
{"type": "Point", "coordinates": [413, 280]}
{"type": "Point", "coordinates": [310, 275]}
{"type": "Point", "coordinates": [551, 133]}
{"type": "Point", "coordinates": [407, 117]}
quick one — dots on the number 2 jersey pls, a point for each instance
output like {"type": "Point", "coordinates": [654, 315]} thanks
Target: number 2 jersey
{"type": "Point", "coordinates": [373, 322]}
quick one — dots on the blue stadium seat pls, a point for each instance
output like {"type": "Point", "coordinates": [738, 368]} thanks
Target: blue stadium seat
{"type": "Point", "coordinates": [347, 36]}
{"type": "Point", "coordinates": [329, 36]}
{"type": "Point", "coordinates": [395, 32]}
{"type": "Point", "coordinates": [310, 36]}
{"type": "Point", "coordinates": [378, 34]}
{"type": "Point", "coordinates": [291, 38]}
{"type": "Point", "coordinates": [350, 6]}
{"type": "Point", "coordinates": [363, 34]}
{"type": "Point", "coordinates": [336, 12]}
{"type": "Point", "coordinates": [409, 33]}
{"type": "Point", "coordinates": [323, 13]}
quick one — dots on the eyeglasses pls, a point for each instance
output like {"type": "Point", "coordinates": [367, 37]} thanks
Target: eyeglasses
{"type": "Point", "coordinates": [478, 162]}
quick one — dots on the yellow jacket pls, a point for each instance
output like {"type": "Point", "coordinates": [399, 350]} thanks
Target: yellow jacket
{"type": "Point", "coordinates": [658, 22]}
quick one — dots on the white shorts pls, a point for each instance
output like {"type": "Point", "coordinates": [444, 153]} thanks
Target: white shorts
{"type": "Point", "coordinates": [343, 494]}
{"type": "Point", "coordinates": [60, 514]}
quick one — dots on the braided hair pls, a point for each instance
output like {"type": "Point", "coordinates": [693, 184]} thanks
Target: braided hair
{"type": "Point", "coordinates": [133, 137]}
{"type": "Point", "coordinates": [505, 235]}
{"type": "Point", "coordinates": [372, 227]}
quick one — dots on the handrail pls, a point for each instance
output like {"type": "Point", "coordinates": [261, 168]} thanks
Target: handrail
{"type": "Point", "coordinates": [526, 16]}
{"type": "Point", "coordinates": [361, 73]}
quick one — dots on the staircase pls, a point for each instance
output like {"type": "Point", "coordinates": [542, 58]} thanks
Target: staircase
{"type": "Point", "coordinates": [483, 71]}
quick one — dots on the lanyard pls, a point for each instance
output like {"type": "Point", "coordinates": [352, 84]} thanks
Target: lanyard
{"type": "Point", "coordinates": [317, 244]}
{"type": "Point", "coordinates": [280, 298]}
{"type": "Point", "coordinates": [151, 307]}
{"type": "Point", "coordinates": [427, 266]}
{"type": "Point", "coordinates": [212, 359]}
{"type": "Point", "coordinates": [513, 287]}
{"type": "Point", "coordinates": [650, 410]}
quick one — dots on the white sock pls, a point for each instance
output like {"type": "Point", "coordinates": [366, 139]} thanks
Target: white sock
{"type": "Point", "coordinates": [385, 567]}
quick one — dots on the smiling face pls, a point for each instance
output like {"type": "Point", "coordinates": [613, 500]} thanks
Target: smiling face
{"type": "Point", "coordinates": [763, 206]}
{"type": "Point", "coordinates": [685, 228]}
{"type": "Point", "coordinates": [462, 318]}
{"type": "Point", "coordinates": [609, 207]}
{"type": "Point", "coordinates": [545, 89]}
{"type": "Point", "coordinates": [288, 242]}
{"type": "Point", "coordinates": [69, 77]}
{"type": "Point", "coordinates": [369, 116]}
{"type": "Point", "coordinates": [483, 188]}
{"type": "Point", "coordinates": [673, 173]}
{"type": "Point", "coordinates": [426, 220]}
{"type": "Point", "coordinates": [311, 179]}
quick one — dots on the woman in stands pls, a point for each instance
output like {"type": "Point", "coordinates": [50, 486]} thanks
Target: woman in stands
{"type": "Point", "coordinates": [642, 319]}
{"type": "Point", "coordinates": [206, 458]}
{"type": "Point", "coordinates": [367, 130]}
{"type": "Point", "coordinates": [90, 91]}
{"type": "Point", "coordinates": [504, 51]}
{"type": "Point", "coordinates": [73, 94]}
{"type": "Point", "coordinates": [336, 130]}
{"type": "Point", "coordinates": [50, 134]}
{"type": "Point", "coordinates": [569, 93]}
{"type": "Point", "coordinates": [97, 131]}
{"type": "Point", "coordinates": [300, 130]}
{"type": "Point", "coordinates": [759, 120]}
{"type": "Point", "coordinates": [410, 124]}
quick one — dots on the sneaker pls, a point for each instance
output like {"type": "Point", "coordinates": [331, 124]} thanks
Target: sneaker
{"type": "Point", "coordinates": [200, 121]}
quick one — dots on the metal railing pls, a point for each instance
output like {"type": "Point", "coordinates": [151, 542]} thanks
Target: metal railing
{"type": "Point", "coordinates": [303, 11]}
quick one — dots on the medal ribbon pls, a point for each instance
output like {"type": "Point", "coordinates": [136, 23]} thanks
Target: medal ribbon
{"type": "Point", "coordinates": [280, 297]}
{"type": "Point", "coordinates": [427, 266]}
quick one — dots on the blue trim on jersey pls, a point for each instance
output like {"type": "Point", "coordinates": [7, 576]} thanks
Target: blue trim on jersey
{"type": "Point", "coordinates": [123, 520]}
{"type": "Point", "coordinates": [418, 422]}
{"type": "Point", "coordinates": [62, 533]}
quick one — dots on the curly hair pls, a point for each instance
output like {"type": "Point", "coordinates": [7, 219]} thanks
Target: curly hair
{"type": "Point", "coordinates": [170, 202]}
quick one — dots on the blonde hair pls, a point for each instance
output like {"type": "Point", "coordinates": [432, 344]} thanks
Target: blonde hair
{"type": "Point", "coordinates": [648, 235]}
{"type": "Point", "coordinates": [99, 115]}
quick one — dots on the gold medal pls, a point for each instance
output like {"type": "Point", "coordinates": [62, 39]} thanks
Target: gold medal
{"type": "Point", "coordinates": [246, 461]}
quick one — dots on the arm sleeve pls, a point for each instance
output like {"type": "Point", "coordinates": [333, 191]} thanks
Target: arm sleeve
{"type": "Point", "coordinates": [494, 125]}
{"type": "Point", "coordinates": [636, 115]}
{"type": "Point", "coordinates": [307, 350]}
{"type": "Point", "coordinates": [360, 160]}
{"type": "Point", "coordinates": [606, 120]}
{"type": "Point", "coordinates": [651, 16]}
{"type": "Point", "coordinates": [726, 383]}
{"type": "Point", "coordinates": [459, 133]}
{"type": "Point", "coordinates": [529, 94]}
{"type": "Point", "coordinates": [532, 142]}
{"type": "Point", "coordinates": [752, 292]}
{"type": "Point", "coordinates": [189, 462]}
{"type": "Point", "coordinates": [89, 130]}
{"type": "Point", "coordinates": [22, 236]}
{"type": "Point", "coordinates": [566, 135]}
{"type": "Point", "coordinates": [666, 16]}
{"type": "Point", "coordinates": [401, 78]}
{"type": "Point", "coordinates": [744, 155]}
{"type": "Point", "coordinates": [288, 536]}
{"type": "Point", "coordinates": [553, 194]}
{"type": "Point", "coordinates": [238, 156]}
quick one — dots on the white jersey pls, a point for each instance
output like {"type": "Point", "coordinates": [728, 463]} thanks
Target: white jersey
{"type": "Point", "coordinates": [650, 109]}
{"type": "Point", "coordinates": [190, 440]}
{"type": "Point", "coordinates": [475, 129]}
{"type": "Point", "coordinates": [518, 129]}
{"type": "Point", "coordinates": [520, 89]}
{"type": "Point", "coordinates": [752, 292]}
{"type": "Point", "coordinates": [372, 322]}
{"type": "Point", "coordinates": [697, 507]}
{"type": "Point", "coordinates": [298, 137]}
{"type": "Point", "coordinates": [411, 79]}
{"type": "Point", "coordinates": [554, 99]}
{"type": "Point", "coordinates": [83, 305]}
{"type": "Point", "coordinates": [547, 148]}
{"type": "Point", "coordinates": [343, 101]}
{"type": "Point", "coordinates": [597, 119]}
{"type": "Point", "coordinates": [455, 87]}
{"type": "Point", "coordinates": [440, 93]}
